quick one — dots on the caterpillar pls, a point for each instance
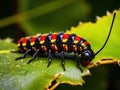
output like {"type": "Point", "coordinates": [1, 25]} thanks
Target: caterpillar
{"type": "Point", "coordinates": [53, 43]}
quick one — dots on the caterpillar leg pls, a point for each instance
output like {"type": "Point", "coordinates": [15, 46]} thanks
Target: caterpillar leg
{"type": "Point", "coordinates": [63, 61]}
{"type": "Point", "coordinates": [34, 56]}
{"type": "Point", "coordinates": [78, 62]}
{"type": "Point", "coordinates": [49, 58]}
{"type": "Point", "coordinates": [24, 55]}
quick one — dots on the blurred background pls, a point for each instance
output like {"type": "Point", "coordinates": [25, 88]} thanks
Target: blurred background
{"type": "Point", "coordinates": [20, 18]}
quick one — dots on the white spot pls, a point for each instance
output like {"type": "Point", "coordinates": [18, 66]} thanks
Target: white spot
{"type": "Point", "coordinates": [80, 23]}
{"type": "Point", "coordinates": [98, 17]}
{"type": "Point", "coordinates": [107, 13]}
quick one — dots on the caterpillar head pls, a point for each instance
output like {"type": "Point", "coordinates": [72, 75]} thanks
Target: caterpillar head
{"type": "Point", "coordinates": [87, 56]}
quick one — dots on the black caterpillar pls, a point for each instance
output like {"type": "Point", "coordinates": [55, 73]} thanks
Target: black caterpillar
{"type": "Point", "coordinates": [59, 43]}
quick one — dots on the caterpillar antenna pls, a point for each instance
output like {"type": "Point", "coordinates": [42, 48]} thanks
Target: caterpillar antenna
{"type": "Point", "coordinates": [107, 36]}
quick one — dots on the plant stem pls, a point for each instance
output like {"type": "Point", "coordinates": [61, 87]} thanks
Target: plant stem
{"type": "Point", "coordinates": [102, 62]}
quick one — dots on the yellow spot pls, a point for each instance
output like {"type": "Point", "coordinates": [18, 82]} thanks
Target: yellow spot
{"type": "Point", "coordinates": [64, 40]}
{"type": "Point", "coordinates": [41, 42]}
{"type": "Point", "coordinates": [75, 42]}
{"type": "Point", "coordinates": [23, 44]}
{"type": "Point", "coordinates": [32, 43]}
{"type": "Point", "coordinates": [80, 48]}
{"type": "Point", "coordinates": [65, 47]}
{"type": "Point", "coordinates": [53, 40]}
{"type": "Point", "coordinates": [74, 48]}
{"type": "Point", "coordinates": [18, 45]}
{"type": "Point", "coordinates": [83, 44]}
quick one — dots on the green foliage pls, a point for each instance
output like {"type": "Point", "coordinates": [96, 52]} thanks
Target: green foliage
{"type": "Point", "coordinates": [17, 75]}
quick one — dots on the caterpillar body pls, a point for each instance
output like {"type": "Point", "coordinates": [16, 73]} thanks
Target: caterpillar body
{"type": "Point", "coordinates": [57, 43]}
{"type": "Point", "coordinates": [53, 43]}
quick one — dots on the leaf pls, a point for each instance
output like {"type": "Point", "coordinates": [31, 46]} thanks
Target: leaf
{"type": "Point", "coordinates": [96, 34]}
{"type": "Point", "coordinates": [18, 75]}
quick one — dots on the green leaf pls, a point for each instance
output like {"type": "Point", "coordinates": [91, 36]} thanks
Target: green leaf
{"type": "Point", "coordinates": [18, 75]}
{"type": "Point", "coordinates": [96, 34]}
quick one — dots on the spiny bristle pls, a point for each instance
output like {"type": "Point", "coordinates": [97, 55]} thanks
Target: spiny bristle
{"type": "Point", "coordinates": [108, 13]}
{"type": "Point", "coordinates": [72, 27]}
{"type": "Point", "coordinates": [67, 30]}
{"type": "Point", "coordinates": [114, 11]}
{"type": "Point", "coordinates": [50, 32]}
{"type": "Point", "coordinates": [98, 17]}
{"type": "Point", "coordinates": [39, 34]}
{"type": "Point", "coordinates": [118, 63]}
{"type": "Point", "coordinates": [8, 39]}
{"type": "Point", "coordinates": [80, 23]}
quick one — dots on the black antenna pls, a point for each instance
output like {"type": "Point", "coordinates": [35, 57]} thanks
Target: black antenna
{"type": "Point", "coordinates": [108, 35]}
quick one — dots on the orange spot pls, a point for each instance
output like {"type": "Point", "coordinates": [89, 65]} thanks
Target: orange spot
{"type": "Point", "coordinates": [25, 48]}
{"type": "Point", "coordinates": [74, 48]}
{"type": "Point", "coordinates": [65, 48]}
{"type": "Point", "coordinates": [18, 45]}
{"type": "Point", "coordinates": [54, 48]}
{"type": "Point", "coordinates": [34, 48]}
{"type": "Point", "coordinates": [44, 48]}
